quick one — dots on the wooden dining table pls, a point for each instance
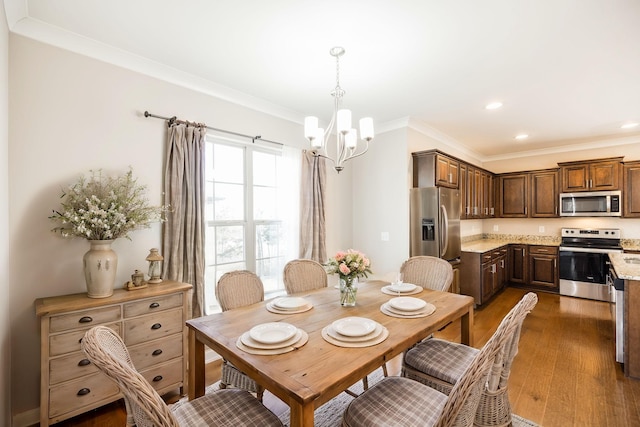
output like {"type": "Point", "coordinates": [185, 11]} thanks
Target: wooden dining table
{"type": "Point", "coordinates": [311, 375]}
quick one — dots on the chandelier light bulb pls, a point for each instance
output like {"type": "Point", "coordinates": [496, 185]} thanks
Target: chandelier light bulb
{"type": "Point", "coordinates": [318, 140]}
{"type": "Point", "coordinates": [310, 127]}
{"type": "Point", "coordinates": [366, 128]}
{"type": "Point", "coordinates": [344, 121]}
{"type": "Point", "coordinates": [351, 139]}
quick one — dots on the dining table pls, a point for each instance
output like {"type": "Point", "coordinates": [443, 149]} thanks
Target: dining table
{"type": "Point", "coordinates": [311, 375]}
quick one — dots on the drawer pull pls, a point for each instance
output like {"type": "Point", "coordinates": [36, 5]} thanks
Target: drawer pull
{"type": "Point", "coordinates": [84, 362]}
{"type": "Point", "coordinates": [83, 392]}
{"type": "Point", "coordinates": [154, 305]}
{"type": "Point", "coordinates": [85, 319]}
{"type": "Point", "coordinates": [157, 352]}
{"type": "Point", "coordinates": [156, 326]}
{"type": "Point", "coordinates": [157, 378]}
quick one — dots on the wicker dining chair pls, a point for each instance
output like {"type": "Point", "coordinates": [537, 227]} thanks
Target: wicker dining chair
{"type": "Point", "coordinates": [106, 350]}
{"type": "Point", "coordinates": [440, 364]}
{"type": "Point", "coordinates": [301, 275]}
{"type": "Point", "coordinates": [237, 289]}
{"type": "Point", "coordinates": [401, 401]}
{"type": "Point", "coordinates": [428, 271]}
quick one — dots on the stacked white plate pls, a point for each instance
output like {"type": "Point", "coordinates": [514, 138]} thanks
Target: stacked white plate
{"type": "Point", "coordinates": [355, 332]}
{"type": "Point", "coordinates": [407, 307]}
{"type": "Point", "coordinates": [289, 305]}
{"type": "Point", "coordinates": [272, 338]}
{"type": "Point", "coordinates": [401, 288]}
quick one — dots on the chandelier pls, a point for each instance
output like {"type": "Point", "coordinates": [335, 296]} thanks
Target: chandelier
{"type": "Point", "coordinates": [346, 147]}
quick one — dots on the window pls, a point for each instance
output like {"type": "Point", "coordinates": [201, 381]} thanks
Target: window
{"type": "Point", "coordinates": [251, 211]}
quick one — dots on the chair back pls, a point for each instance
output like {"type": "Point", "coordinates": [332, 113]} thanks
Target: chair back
{"type": "Point", "coordinates": [428, 271]}
{"type": "Point", "coordinates": [301, 275]}
{"type": "Point", "coordinates": [106, 350]}
{"type": "Point", "coordinates": [238, 289]}
{"type": "Point", "coordinates": [461, 406]}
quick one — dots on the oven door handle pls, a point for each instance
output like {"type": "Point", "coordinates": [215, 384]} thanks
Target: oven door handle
{"type": "Point", "coordinates": [589, 250]}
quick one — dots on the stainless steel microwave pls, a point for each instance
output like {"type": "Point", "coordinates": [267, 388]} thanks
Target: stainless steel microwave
{"type": "Point", "coordinates": [591, 203]}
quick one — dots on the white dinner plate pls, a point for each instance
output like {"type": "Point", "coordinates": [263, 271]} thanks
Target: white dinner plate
{"type": "Point", "coordinates": [402, 287]}
{"type": "Point", "coordinates": [250, 342]}
{"type": "Point", "coordinates": [272, 332]}
{"type": "Point", "coordinates": [354, 326]}
{"type": "Point", "coordinates": [335, 335]}
{"type": "Point", "coordinates": [290, 303]}
{"type": "Point", "coordinates": [407, 303]}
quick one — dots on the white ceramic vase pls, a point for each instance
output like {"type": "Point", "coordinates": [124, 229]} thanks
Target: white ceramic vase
{"type": "Point", "coordinates": [100, 266]}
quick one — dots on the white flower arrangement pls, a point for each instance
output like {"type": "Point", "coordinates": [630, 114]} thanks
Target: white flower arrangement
{"type": "Point", "coordinates": [105, 208]}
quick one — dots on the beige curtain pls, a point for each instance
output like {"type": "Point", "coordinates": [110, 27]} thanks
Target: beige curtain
{"type": "Point", "coordinates": [312, 199]}
{"type": "Point", "coordinates": [183, 232]}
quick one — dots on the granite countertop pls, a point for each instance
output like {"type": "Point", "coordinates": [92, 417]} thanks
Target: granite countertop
{"type": "Point", "coordinates": [489, 244]}
{"type": "Point", "coordinates": [625, 269]}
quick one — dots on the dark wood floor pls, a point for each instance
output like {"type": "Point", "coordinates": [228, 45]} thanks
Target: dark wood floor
{"type": "Point", "coordinates": [564, 375]}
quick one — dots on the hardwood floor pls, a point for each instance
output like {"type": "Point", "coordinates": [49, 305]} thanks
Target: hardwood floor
{"type": "Point", "coordinates": [564, 375]}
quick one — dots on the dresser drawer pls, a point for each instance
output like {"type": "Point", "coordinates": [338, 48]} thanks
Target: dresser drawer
{"type": "Point", "coordinates": [70, 341]}
{"type": "Point", "coordinates": [84, 391]}
{"type": "Point", "coordinates": [155, 352]}
{"type": "Point", "coordinates": [164, 376]}
{"type": "Point", "coordinates": [152, 305]}
{"type": "Point", "coordinates": [84, 319]}
{"type": "Point", "coordinates": [151, 327]}
{"type": "Point", "coordinates": [74, 365]}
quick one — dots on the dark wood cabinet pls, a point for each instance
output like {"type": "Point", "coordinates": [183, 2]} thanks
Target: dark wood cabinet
{"type": "Point", "coordinates": [483, 274]}
{"type": "Point", "coordinates": [465, 199]}
{"type": "Point", "coordinates": [518, 271]}
{"type": "Point", "coordinates": [433, 168]}
{"type": "Point", "coordinates": [447, 171]}
{"type": "Point", "coordinates": [543, 266]}
{"type": "Point", "coordinates": [631, 196]}
{"type": "Point", "coordinates": [513, 195]}
{"type": "Point", "coordinates": [591, 175]}
{"type": "Point", "coordinates": [544, 194]}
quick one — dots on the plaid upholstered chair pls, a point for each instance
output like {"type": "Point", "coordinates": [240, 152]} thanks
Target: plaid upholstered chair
{"type": "Point", "coordinates": [301, 275]}
{"type": "Point", "coordinates": [441, 364]}
{"type": "Point", "coordinates": [400, 401]}
{"type": "Point", "coordinates": [237, 289]}
{"type": "Point", "coordinates": [106, 350]}
{"type": "Point", "coordinates": [427, 271]}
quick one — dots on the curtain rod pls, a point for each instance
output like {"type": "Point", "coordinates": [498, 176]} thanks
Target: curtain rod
{"type": "Point", "coordinates": [174, 119]}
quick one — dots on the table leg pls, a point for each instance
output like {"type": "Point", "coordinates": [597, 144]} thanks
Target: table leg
{"type": "Point", "coordinates": [301, 415]}
{"type": "Point", "coordinates": [196, 367]}
{"type": "Point", "coordinates": [466, 328]}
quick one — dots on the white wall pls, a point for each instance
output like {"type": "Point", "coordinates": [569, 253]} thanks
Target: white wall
{"type": "Point", "coordinates": [70, 114]}
{"type": "Point", "coordinates": [5, 303]}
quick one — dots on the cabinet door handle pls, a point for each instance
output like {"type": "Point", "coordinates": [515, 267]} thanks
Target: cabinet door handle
{"type": "Point", "coordinates": [492, 210]}
{"type": "Point", "coordinates": [154, 305]}
{"type": "Point", "coordinates": [84, 362]}
{"type": "Point", "coordinates": [157, 352]}
{"type": "Point", "coordinates": [486, 211]}
{"type": "Point", "coordinates": [502, 263]}
{"type": "Point", "coordinates": [85, 319]}
{"type": "Point", "coordinates": [156, 326]}
{"type": "Point", "coordinates": [83, 392]}
{"type": "Point", "coordinates": [157, 378]}
{"type": "Point", "coordinates": [450, 177]}
{"type": "Point", "coordinates": [542, 250]}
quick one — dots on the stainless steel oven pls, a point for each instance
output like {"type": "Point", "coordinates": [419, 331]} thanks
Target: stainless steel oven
{"type": "Point", "coordinates": [617, 311]}
{"type": "Point", "coordinates": [584, 262]}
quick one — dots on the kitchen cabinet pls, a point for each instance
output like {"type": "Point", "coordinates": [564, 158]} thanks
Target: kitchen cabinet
{"type": "Point", "coordinates": [151, 322]}
{"type": "Point", "coordinates": [591, 175]}
{"type": "Point", "coordinates": [465, 198]}
{"type": "Point", "coordinates": [631, 185]}
{"type": "Point", "coordinates": [488, 195]}
{"type": "Point", "coordinates": [518, 270]}
{"type": "Point", "coordinates": [483, 274]}
{"type": "Point", "coordinates": [513, 195]}
{"type": "Point", "coordinates": [632, 328]}
{"type": "Point", "coordinates": [544, 198]}
{"type": "Point", "coordinates": [435, 169]}
{"type": "Point", "coordinates": [543, 266]}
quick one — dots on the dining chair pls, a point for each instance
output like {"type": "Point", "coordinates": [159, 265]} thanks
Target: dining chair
{"type": "Point", "coordinates": [237, 289]}
{"type": "Point", "coordinates": [106, 350]}
{"type": "Point", "coordinates": [401, 401]}
{"type": "Point", "coordinates": [428, 271]}
{"type": "Point", "coordinates": [440, 364]}
{"type": "Point", "coordinates": [301, 275]}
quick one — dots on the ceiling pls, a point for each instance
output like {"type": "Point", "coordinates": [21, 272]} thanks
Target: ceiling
{"type": "Point", "coordinates": [566, 71]}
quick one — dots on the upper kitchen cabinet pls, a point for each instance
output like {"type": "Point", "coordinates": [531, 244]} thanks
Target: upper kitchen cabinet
{"type": "Point", "coordinates": [591, 175]}
{"type": "Point", "coordinates": [435, 169]}
{"type": "Point", "coordinates": [513, 195]}
{"type": "Point", "coordinates": [544, 193]}
{"type": "Point", "coordinates": [631, 198]}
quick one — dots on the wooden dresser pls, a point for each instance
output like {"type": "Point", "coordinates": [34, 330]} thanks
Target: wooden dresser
{"type": "Point", "coordinates": [152, 323]}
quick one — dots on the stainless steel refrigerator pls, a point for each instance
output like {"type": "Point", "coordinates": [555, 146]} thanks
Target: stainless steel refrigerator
{"type": "Point", "coordinates": [435, 222]}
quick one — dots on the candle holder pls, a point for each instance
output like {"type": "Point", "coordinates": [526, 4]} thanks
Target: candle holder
{"type": "Point", "coordinates": [155, 266]}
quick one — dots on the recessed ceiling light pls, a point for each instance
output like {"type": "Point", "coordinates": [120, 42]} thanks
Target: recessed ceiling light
{"type": "Point", "coordinates": [629, 125]}
{"type": "Point", "coordinates": [522, 136]}
{"type": "Point", "coordinates": [493, 105]}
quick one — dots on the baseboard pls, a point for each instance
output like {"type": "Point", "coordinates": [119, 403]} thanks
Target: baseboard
{"type": "Point", "coordinates": [27, 418]}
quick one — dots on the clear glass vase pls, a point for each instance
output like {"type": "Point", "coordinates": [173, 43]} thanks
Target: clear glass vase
{"type": "Point", "coordinates": [348, 291]}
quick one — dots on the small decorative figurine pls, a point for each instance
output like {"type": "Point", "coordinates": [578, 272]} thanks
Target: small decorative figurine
{"type": "Point", "coordinates": [155, 266]}
{"type": "Point", "coordinates": [136, 282]}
